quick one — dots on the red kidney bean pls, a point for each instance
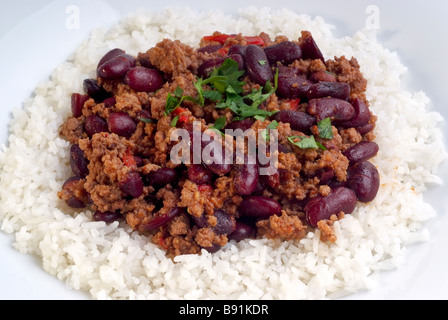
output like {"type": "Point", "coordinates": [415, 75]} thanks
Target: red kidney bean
{"type": "Point", "coordinates": [199, 174]}
{"type": "Point", "coordinates": [238, 49]}
{"type": "Point", "coordinates": [362, 151]}
{"type": "Point", "coordinates": [77, 104]}
{"type": "Point", "coordinates": [110, 102]}
{"type": "Point", "coordinates": [299, 121]}
{"type": "Point", "coordinates": [259, 207]}
{"type": "Point", "coordinates": [132, 185]}
{"type": "Point", "coordinates": [365, 128]}
{"type": "Point", "coordinates": [122, 124]}
{"type": "Point", "coordinates": [95, 91]}
{"type": "Point", "coordinates": [257, 65]}
{"type": "Point", "coordinates": [217, 162]}
{"type": "Point", "coordinates": [244, 125]}
{"type": "Point", "coordinates": [242, 231]}
{"type": "Point", "coordinates": [73, 201]}
{"type": "Point", "coordinates": [225, 223]}
{"type": "Point", "coordinates": [363, 178]}
{"type": "Point", "coordinates": [107, 216]}
{"type": "Point", "coordinates": [362, 115]}
{"type": "Point", "coordinates": [78, 162]}
{"type": "Point", "coordinates": [310, 50]}
{"type": "Point", "coordinates": [161, 177]}
{"type": "Point", "coordinates": [284, 52]}
{"type": "Point", "coordinates": [163, 219]}
{"type": "Point", "coordinates": [206, 68]}
{"type": "Point", "coordinates": [292, 85]}
{"type": "Point", "coordinates": [214, 248]}
{"type": "Point", "coordinates": [272, 180]}
{"type": "Point", "coordinates": [322, 208]}
{"type": "Point", "coordinates": [95, 124]}
{"type": "Point", "coordinates": [110, 55]}
{"type": "Point", "coordinates": [323, 76]}
{"type": "Point", "coordinates": [246, 177]}
{"type": "Point", "coordinates": [337, 90]}
{"type": "Point", "coordinates": [114, 69]}
{"type": "Point", "coordinates": [130, 58]}
{"type": "Point", "coordinates": [336, 109]}
{"type": "Point", "coordinates": [141, 79]}
{"type": "Point", "coordinates": [210, 48]}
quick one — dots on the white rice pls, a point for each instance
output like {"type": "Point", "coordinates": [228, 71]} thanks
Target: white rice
{"type": "Point", "coordinates": [112, 262]}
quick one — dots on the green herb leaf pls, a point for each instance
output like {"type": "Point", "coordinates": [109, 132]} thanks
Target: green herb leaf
{"type": "Point", "coordinates": [306, 142]}
{"type": "Point", "coordinates": [262, 62]}
{"type": "Point", "coordinates": [178, 92]}
{"type": "Point", "coordinates": [145, 120]}
{"type": "Point", "coordinates": [266, 134]}
{"type": "Point", "coordinates": [174, 121]}
{"type": "Point", "coordinates": [212, 95]}
{"type": "Point", "coordinates": [220, 123]}
{"type": "Point", "coordinates": [325, 129]}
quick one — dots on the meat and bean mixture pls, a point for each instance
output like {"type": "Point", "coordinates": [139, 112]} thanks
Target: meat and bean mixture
{"type": "Point", "coordinates": [121, 127]}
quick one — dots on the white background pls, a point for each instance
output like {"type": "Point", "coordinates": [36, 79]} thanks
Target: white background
{"type": "Point", "coordinates": [34, 40]}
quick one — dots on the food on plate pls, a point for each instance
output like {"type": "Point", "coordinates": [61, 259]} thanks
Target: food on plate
{"type": "Point", "coordinates": [110, 98]}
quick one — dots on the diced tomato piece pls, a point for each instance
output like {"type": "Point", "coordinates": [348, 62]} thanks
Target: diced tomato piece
{"type": "Point", "coordinates": [255, 40]}
{"type": "Point", "coordinates": [224, 51]}
{"type": "Point", "coordinates": [178, 111]}
{"type": "Point", "coordinates": [129, 160]}
{"type": "Point", "coordinates": [221, 38]}
{"type": "Point", "coordinates": [294, 104]}
{"type": "Point", "coordinates": [206, 189]}
{"type": "Point", "coordinates": [183, 119]}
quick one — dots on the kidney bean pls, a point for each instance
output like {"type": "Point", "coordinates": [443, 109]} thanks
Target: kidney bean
{"type": "Point", "coordinates": [210, 48]}
{"type": "Point", "coordinates": [272, 180]}
{"type": "Point", "coordinates": [206, 68]}
{"type": "Point", "coordinates": [110, 55]}
{"type": "Point", "coordinates": [337, 109]}
{"type": "Point", "coordinates": [141, 79]}
{"type": "Point", "coordinates": [161, 177]}
{"type": "Point", "coordinates": [131, 59]}
{"type": "Point", "coordinates": [299, 121]}
{"type": "Point", "coordinates": [95, 124]}
{"type": "Point", "coordinates": [71, 185]}
{"type": "Point", "coordinates": [114, 69]}
{"type": "Point", "coordinates": [363, 178]}
{"type": "Point", "coordinates": [110, 102]}
{"type": "Point", "coordinates": [225, 223]}
{"type": "Point", "coordinates": [323, 76]}
{"type": "Point", "coordinates": [365, 128]}
{"type": "Point", "coordinates": [214, 248]}
{"type": "Point", "coordinates": [77, 103]}
{"type": "Point", "coordinates": [122, 124]}
{"type": "Point", "coordinates": [246, 177]}
{"type": "Point", "coordinates": [242, 231]}
{"type": "Point", "coordinates": [238, 49]}
{"type": "Point", "coordinates": [259, 207]}
{"type": "Point", "coordinates": [215, 162]}
{"type": "Point", "coordinates": [362, 151]}
{"type": "Point", "coordinates": [95, 91]}
{"type": "Point", "coordinates": [132, 185]}
{"type": "Point", "coordinates": [322, 208]}
{"type": "Point", "coordinates": [107, 216]}
{"type": "Point", "coordinates": [326, 176]}
{"type": "Point", "coordinates": [310, 50]}
{"type": "Point", "coordinates": [199, 174]}
{"type": "Point", "coordinates": [292, 85]}
{"type": "Point", "coordinates": [362, 115]}
{"type": "Point", "coordinates": [284, 52]}
{"type": "Point", "coordinates": [244, 125]}
{"type": "Point", "coordinates": [337, 90]}
{"type": "Point", "coordinates": [257, 65]}
{"type": "Point", "coordinates": [163, 219]}
{"type": "Point", "coordinates": [78, 162]}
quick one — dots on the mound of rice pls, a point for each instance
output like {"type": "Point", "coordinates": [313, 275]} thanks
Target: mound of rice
{"type": "Point", "coordinates": [111, 261]}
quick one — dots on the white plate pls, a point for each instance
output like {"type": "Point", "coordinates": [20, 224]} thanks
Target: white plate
{"type": "Point", "coordinates": [35, 36]}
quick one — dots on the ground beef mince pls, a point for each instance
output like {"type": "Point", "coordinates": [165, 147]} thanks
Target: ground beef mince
{"type": "Point", "coordinates": [122, 146]}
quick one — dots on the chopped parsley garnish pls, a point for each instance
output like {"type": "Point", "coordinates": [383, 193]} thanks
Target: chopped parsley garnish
{"type": "Point", "coordinates": [146, 120]}
{"type": "Point", "coordinates": [266, 134]}
{"type": "Point", "coordinates": [174, 121]}
{"type": "Point", "coordinates": [173, 101]}
{"type": "Point", "coordinates": [306, 142]}
{"type": "Point", "coordinates": [262, 62]}
{"type": "Point", "coordinates": [325, 129]}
